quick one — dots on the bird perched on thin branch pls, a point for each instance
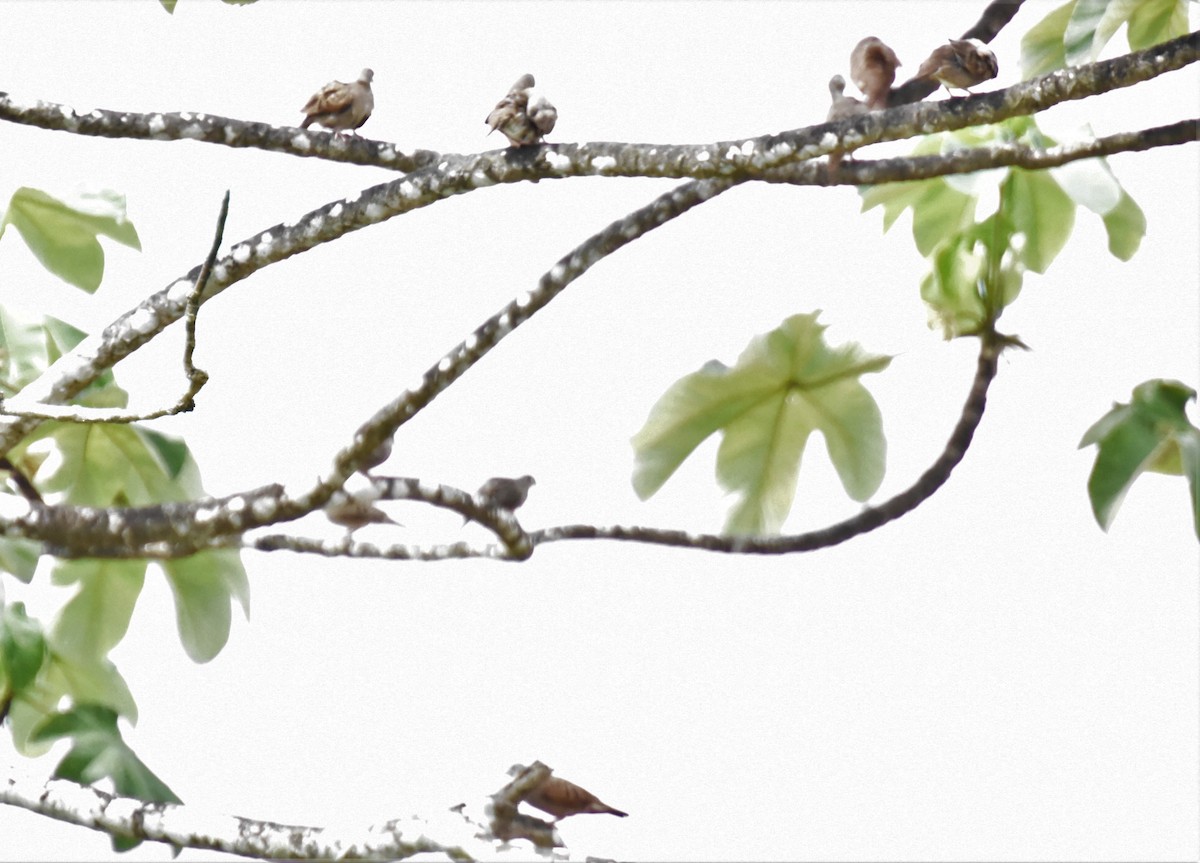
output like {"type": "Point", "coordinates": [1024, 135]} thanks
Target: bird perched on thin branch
{"type": "Point", "coordinates": [352, 512]}
{"type": "Point", "coordinates": [376, 457]}
{"type": "Point", "coordinates": [340, 106]}
{"type": "Point", "coordinates": [841, 107]}
{"type": "Point", "coordinates": [501, 492]}
{"type": "Point", "coordinates": [524, 123]}
{"type": "Point", "coordinates": [562, 799]}
{"type": "Point", "coordinates": [873, 69]}
{"type": "Point", "coordinates": [960, 64]}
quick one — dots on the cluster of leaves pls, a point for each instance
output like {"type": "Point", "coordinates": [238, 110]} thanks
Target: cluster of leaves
{"type": "Point", "coordinates": [98, 465]}
{"type": "Point", "coordinates": [788, 383]}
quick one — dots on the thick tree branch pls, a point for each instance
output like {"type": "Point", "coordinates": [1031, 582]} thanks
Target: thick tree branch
{"type": "Point", "coordinates": [188, 827]}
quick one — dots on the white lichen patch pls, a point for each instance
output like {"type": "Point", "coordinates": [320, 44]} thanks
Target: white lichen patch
{"type": "Point", "coordinates": [781, 151]}
{"type": "Point", "coordinates": [302, 142]}
{"type": "Point", "coordinates": [732, 153]}
{"type": "Point", "coordinates": [480, 178]}
{"type": "Point", "coordinates": [314, 225]}
{"type": "Point", "coordinates": [408, 190]}
{"type": "Point", "coordinates": [829, 140]}
{"type": "Point", "coordinates": [335, 212]}
{"type": "Point", "coordinates": [471, 342]}
{"type": "Point", "coordinates": [748, 148]}
{"type": "Point", "coordinates": [156, 124]}
{"type": "Point", "coordinates": [263, 247]}
{"type": "Point", "coordinates": [375, 212]}
{"type": "Point", "coordinates": [194, 131]}
{"type": "Point", "coordinates": [205, 514]}
{"type": "Point", "coordinates": [524, 300]}
{"type": "Point", "coordinates": [703, 156]}
{"type": "Point", "coordinates": [603, 163]}
{"type": "Point", "coordinates": [387, 154]}
{"type": "Point", "coordinates": [142, 321]}
{"type": "Point", "coordinates": [445, 364]}
{"type": "Point", "coordinates": [241, 253]}
{"type": "Point", "coordinates": [557, 161]}
{"type": "Point", "coordinates": [557, 272]}
{"type": "Point", "coordinates": [442, 167]}
{"type": "Point", "coordinates": [179, 290]}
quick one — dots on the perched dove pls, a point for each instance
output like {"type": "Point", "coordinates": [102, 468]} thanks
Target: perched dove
{"type": "Point", "coordinates": [524, 124]}
{"type": "Point", "coordinates": [501, 492]}
{"type": "Point", "coordinates": [873, 69]}
{"type": "Point", "coordinates": [960, 64]}
{"type": "Point", "coordinates": [563, 799]}
{"type": "Point", "coordinates": [341, 106]}
{"type": "Point", "coordinates": [840, 108]}
{"type": "Point", "coordinates": [353, 512]}
{"type": "Point", "coordinates": [376, 457]}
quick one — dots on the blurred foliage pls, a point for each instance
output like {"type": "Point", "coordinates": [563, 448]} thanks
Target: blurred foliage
{"type": "Point", "coordinates": [1150, 433]}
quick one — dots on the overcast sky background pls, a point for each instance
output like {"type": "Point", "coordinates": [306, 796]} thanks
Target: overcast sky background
{"type": "Point", "coordinates": [992, 677]}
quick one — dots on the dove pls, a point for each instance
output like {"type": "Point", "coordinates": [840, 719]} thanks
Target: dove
{"type": "Point", "coordinates": [353, 512]}
{"type": "Point", "coordinates": [376, 457]}
{"type": "Point", "coordinates": [840, 108]}
{"type": "Point", "coordinates": [519, 121]}
{"type": "Point", "coordinates": [562, 799]}
{"type": "Point", "coordinates": [341, 106]}
{"type": "Point", "coordinates": [960, 64]}
{"type": "Point", "coordinates": [873, 69]}
{"type": "Point", "coordinates": [501, 492]}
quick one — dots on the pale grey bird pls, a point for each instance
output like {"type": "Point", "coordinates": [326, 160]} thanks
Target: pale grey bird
{"type": "Point", "coordinates": [960, 64]}
{"type": "Point", "coordinates": [523, 124]}
{"type": "Point", "coordinates": [873, 69]}
{"type": "Point", "coordinates": [376, 457]}
{"type": "Point", "coordinates": [841, 107]}
{"type": "Point", "coordinates": [352, 512]}
{"type": "Point", "coordinates": [562, 799]}
{"type": "Point", "coordinates": [340, 106]}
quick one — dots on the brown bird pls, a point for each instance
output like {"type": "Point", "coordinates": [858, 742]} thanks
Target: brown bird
{"type": "Point", "coordinates": [353, 512]}
{"type": "Point", "coordinates": [873, 69]}
{"type": "Point", "coordinates": [501, 492]}
{"type": "Point", "coordinates": [523, 124]}
{"type": "Point", "coordinates": [341, 106]}
{"type": "Point", "coordinates": [960, 64]}
{"type": "Point", "coordinates": [562, 799]}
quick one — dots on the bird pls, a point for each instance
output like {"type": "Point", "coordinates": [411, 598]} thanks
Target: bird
{"type": "Point", "coordinates": [562, 799]}
{"type": "Point", "coordinates": [873, 69]}
{"type": "Point", "coordinates": [960, 64]}
{"type": "Point", "coordinates": [523, 124]}
{"type": "Point", "coordinates": [840, 108]}
{"type": "Point", "coordinates": [376, 457]}
{"type": "Point", "coordinates": [340, 106]}
{"type": "Point", "coordinates": [503, 493]}
{"type": "Point", "coordinates": [352, 512]}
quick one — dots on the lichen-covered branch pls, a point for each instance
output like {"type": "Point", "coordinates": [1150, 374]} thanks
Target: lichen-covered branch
{"type": "Point", "coordinates": [188, 827]}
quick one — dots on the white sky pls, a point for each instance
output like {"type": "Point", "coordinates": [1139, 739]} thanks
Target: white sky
{"type": "Point", "coordinates": [990, 678]}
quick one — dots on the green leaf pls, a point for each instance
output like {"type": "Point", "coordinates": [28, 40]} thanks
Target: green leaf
{"type": "Point", "coordinates": [204, 586]}
{"type": "Point", "coordinates": [98, 752]}
{"type": "Point", "coordinates": [169, 5]}
{"type": "Point", "coordinates": [103, 465]}
{"type": "Point", "coordinates": [1079, 38]}
{"type": "Point", "coordinates": [1155, 21]}
{"type": "Point", "coordinates": [22, 347]}
{"type": "Point", "coordinates": [940, 212]}
{"type": "Point", "coordinates": [62, 235]}
{"type": "Point", "coordinates": [1150, 433]}
{"type": "Point", "coordinates": [786, 384]}
{"type": "Point", "coordinates": [1042, 48]}
{"type": "Point", "coordinates": [22, 646]}
{"type": "Point", "coordinates": [97, 617]}
{"type": "Point", "coordinates": [20, 557]}
{"type": "Point", "coordinates": [1042, 212]}
{"type": "Point", "coordinates": [1126, 225]}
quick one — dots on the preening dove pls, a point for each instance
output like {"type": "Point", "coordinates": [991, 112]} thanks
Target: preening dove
{"type": "Point", "coordinates": [353, 512]}
{"type": "Point", "coordinates": [340, 106]}
{"type": "Point", "coordinates": [523, 123]}
{"type": "Point", "coordinates": [873, 69]}
{"type": "Point", "coordinates": [960, 64]}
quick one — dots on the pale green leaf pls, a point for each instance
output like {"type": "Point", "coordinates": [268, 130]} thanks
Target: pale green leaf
{"type": "Point", "coordinates": [97, 617]}
{"type": "Point", "coordinates": [203, 586]}
{"type": "Point", "coordinates": [1126, 225]}
{"type": "Point", "coordinates": [1042, 48]}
